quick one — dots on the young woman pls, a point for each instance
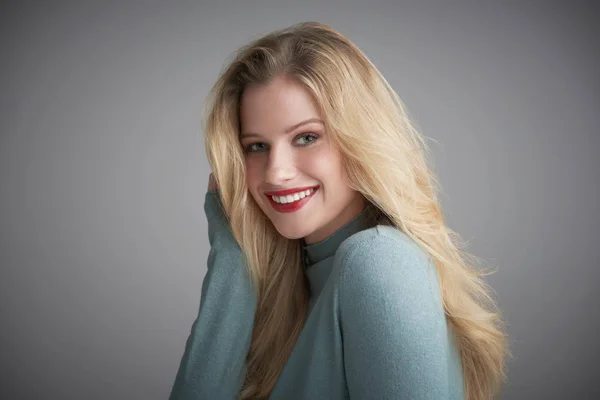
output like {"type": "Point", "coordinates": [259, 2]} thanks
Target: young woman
{"type": "Point", "coordinates": [332, 273]}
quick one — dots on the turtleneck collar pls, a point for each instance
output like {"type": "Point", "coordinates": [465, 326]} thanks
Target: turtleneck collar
{"type": "Point", "coordinates": [316, 252]}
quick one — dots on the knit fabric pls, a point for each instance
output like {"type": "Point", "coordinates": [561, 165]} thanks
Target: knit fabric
{"type": "Point", "coordinates": [375, 329]}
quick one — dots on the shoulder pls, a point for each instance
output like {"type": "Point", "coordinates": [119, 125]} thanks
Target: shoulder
{"type": "Point", "coordinates": [395, 332]}
{"type": "Point", "coordinates": [383, 261]}
{"type": "Point", "coordinates": [379, 246]}
{"type": "Point", "coordinates": [383, 237]}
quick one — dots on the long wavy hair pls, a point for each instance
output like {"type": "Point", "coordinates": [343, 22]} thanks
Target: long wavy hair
{"type": "Point", "coordinates": [385, 159]}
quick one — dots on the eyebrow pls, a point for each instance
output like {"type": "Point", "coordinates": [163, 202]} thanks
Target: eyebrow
{"type": "Point", "coordinates": [287, 131]}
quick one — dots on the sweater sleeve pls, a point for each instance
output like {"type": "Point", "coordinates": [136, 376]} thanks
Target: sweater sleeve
{"type": "Point", "coordinates": [213, 362]}
{"type": "Point", "coordinates": [394, 331]}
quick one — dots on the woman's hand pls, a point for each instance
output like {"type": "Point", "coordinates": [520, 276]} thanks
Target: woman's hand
{"type": "Point", "coordinates": [212, 184]}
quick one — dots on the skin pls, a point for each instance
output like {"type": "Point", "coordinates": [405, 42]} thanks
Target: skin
{"type": "Point", "coordinates": [212, 184]}
{"type": "Point", "coordinates": [303, 156]}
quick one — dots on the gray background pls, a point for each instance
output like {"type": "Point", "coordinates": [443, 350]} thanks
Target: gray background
{"type": "Point", "coordinates": [103, 240]}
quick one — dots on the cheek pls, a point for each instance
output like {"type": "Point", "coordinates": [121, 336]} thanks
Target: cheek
{"type": "Point", "coordinates": [325, 164]}
{"type": "Point", "coordinates": [253, 173]}
{"type": "Point", "coordinates": [253, 179]}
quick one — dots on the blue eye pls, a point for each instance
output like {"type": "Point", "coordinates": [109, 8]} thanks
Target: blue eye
{"type": "Point", "coordinates": [252, 147]}
{"type": "Point", "coordinates": [309, 135]}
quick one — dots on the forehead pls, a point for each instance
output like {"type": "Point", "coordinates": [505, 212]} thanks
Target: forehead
{"type": "Point", "coordinates": [273, 107]}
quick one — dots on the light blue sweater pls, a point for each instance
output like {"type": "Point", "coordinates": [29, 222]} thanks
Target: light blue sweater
{"type": "Point", "coordinates": [375, 329]}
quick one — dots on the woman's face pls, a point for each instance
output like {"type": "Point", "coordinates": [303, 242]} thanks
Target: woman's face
{"type": "Point", "coordinates": [286, 147]}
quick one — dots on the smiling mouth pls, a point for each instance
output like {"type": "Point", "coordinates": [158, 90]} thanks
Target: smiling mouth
{"type": "Point", "coordinates": [283, 193]}
{"type": "Point", "coordinates": [292, 197]}
{"type": "Point", "coordinates": [291, 203]}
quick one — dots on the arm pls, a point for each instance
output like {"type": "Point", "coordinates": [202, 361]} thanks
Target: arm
{"type": "Point", "coordinates": [394, 330]}
{"type": "Point", "coordinates": [213, 363]}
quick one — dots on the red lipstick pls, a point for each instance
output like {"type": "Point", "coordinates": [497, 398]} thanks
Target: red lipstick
{"type": "Point", "coordinates": [289, 191]}
{"type": "Point", "coordinates": [293, 206]}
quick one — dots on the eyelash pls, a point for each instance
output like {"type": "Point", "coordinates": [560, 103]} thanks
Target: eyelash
{"type": "Point", "coordinates": [248, 148]}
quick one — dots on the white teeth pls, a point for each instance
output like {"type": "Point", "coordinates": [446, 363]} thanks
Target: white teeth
{"type": "Point", "coordinates": [292, 197]}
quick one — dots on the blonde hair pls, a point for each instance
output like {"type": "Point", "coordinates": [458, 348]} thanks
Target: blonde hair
{"type": "Point", "coordinates": [385, 159]}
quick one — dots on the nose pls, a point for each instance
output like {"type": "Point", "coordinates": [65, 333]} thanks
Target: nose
{"type": "Point", "coordinates": [280, 167]}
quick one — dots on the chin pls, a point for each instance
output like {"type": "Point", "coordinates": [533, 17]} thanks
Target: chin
{"type": "Point", "coordinates": [291, 233]}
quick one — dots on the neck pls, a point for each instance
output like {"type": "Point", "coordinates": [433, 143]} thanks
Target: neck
{"type": "Point", "coordinates": [340, 220]}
